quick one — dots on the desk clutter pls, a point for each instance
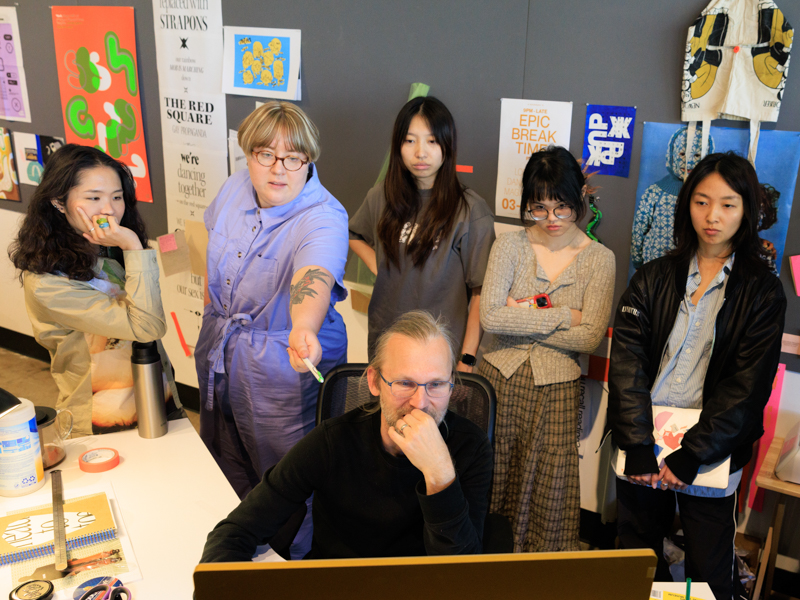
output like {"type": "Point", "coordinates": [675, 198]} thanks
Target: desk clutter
{"type": "Point", "coordinates": [96, 542]}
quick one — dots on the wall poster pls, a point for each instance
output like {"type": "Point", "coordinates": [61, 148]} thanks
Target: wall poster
{"type": "Point", "coordinates": [193, 111]}
{"type": "Point", "coordinates": [608, 139]}
{"type": "Point", "coordinates": [526, 126]}
{"type": "Point", "coordinates": [99, 84]}
{"type": "Point", "coordinates": [262, 62]}
{"type": "Point", "coordinates": [13, 87]}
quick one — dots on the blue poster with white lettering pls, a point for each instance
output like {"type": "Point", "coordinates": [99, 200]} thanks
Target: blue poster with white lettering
{"type": "Point", "coordinates": [608, 139]}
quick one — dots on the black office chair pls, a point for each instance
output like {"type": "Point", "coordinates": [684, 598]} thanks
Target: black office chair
{"type": "Point", "coordinates": [473, 397]}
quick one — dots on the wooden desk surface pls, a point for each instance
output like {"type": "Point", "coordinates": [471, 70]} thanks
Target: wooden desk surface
{"type": "Point", "coordinates": [766, 475]}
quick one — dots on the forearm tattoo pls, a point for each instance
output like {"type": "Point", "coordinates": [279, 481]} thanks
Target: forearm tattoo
{"type": "Point", "coordinates": [302, 289]}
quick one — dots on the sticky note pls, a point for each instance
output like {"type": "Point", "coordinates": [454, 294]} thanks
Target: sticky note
{"type": "Point", "coordinates": [794, 262]}
{"type": "Point", "coordinates": [175, 259]}
{"type": "Point", "coordinates": [167, 243]}
{"type": "Point", "coordinates": [463, 169]}
{"type": "Point", "coordinates": [790, 343]}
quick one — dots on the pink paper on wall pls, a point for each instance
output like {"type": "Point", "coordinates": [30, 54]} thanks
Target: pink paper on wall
{"type": "Point", "coordinates": [794, 262]}
{"type": "Point", "coordinates": [756, 499]}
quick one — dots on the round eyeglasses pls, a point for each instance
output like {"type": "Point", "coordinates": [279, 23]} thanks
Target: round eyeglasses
{"type": "Point", "coordinates": [290, 163]}
{"type": "Point", "coordinates": [405, 388]}
{"type": "Point", "coordinates": [540, 214]}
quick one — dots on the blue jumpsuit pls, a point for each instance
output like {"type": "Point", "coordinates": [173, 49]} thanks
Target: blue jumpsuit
{"type": "Point", "coordinates": [254, 406]}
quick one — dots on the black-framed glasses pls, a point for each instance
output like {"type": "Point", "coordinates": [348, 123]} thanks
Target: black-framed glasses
{"type": "Point", "coordinates": [405, 388]}
{"type": "Point", "coordinates": [290, 163]}
{"type": "Point", "coordinates": [540, 214]}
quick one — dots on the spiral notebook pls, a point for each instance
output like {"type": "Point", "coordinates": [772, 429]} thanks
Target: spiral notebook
{"type": "Point", "coordinates": [28, 533]}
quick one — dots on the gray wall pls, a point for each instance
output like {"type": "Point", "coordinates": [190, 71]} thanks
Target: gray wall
{"type": "Point", "coordinates": [359, 59]}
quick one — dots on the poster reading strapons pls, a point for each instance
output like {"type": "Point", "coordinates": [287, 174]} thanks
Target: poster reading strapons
{"type": "Point", "coordinates": [526, 126]}
{"type": "Point", "coordinates": [99, 85]}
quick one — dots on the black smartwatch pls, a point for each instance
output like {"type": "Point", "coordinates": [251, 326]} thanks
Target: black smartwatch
{"type": "Point", "coordinates": [469, 360]}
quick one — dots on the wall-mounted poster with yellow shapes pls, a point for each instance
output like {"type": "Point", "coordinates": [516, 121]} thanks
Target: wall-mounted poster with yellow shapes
{"type": "Point", "coordinates": [262, 62]}
{"type": "Point", "coordinates": [9, 183]}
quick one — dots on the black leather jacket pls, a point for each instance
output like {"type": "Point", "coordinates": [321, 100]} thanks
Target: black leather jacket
{"type": "Point", "coordinates": [740, 373]}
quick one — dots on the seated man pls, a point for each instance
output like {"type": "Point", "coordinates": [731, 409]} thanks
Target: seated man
{"type": "Point", "coordinates": [403, 478]}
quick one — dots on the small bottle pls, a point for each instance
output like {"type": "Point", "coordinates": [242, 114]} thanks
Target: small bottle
{"type": "Point", "coordinates": [148, 390]}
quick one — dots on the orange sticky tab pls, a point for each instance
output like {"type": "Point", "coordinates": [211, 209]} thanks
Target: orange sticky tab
{"type": "Point", "coordinates": [463, 169]}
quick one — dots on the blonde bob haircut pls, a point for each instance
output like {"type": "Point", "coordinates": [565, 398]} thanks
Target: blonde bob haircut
{"type": "Point", "coordinates": [274, 119]}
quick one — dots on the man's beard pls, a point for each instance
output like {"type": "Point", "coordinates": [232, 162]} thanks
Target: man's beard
{"type": "Point", "coordinates": [392, 415]}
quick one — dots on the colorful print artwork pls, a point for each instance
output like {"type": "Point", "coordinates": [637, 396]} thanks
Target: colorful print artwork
{"type": "Point", "coordinates": [99, 85]}
{"type": "Point", "coordinates": [9, 183]}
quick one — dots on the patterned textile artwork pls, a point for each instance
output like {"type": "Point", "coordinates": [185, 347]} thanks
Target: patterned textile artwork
{"type": "Point", "coordinates": [655, 213]}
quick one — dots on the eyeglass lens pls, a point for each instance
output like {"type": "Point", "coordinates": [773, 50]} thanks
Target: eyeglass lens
{"type": "Point", "coordinates": [540, 214]}
{"type": "Point", "coordinates": [290, 163]}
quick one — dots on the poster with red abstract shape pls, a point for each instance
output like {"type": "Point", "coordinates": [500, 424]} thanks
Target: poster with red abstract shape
{"type": "Point", "coordinates": [99, 84]}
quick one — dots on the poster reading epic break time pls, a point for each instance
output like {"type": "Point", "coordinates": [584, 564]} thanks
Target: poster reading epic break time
{"type": "Point", "coordinates": [526, 126]}
{"type": "Point", "coordinates": [99, 85]}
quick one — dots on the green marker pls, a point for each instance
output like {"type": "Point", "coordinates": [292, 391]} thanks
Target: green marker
{"type": "Point", "coordinates": [314, 371]}
{"type": "Point", "coordinates": [688, 588]}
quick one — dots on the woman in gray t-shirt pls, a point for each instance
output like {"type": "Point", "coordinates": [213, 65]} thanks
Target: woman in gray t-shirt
{"type": "Point", "coordinates": [425, 236]}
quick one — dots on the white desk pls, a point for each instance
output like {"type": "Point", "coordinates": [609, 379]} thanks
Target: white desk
{"type": "Point", "coordinates": [171, 493]}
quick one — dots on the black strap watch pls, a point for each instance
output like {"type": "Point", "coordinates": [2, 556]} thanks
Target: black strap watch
{"type": "Point", "coordinates": [469, 360]}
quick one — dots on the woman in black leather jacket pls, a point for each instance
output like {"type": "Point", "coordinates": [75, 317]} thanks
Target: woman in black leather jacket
{"type": "Point", "coordinates": [699, 328]}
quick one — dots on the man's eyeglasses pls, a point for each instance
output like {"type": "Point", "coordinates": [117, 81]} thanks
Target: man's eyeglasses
{"type": "Point", "coordinates": [290, 163]}
{"type": "Point", "coordinates": [540, 214]}
{"type": "Point", "coordinates": [405, 388]}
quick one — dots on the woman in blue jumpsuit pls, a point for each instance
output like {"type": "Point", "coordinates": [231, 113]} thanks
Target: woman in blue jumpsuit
{"type": "Point", "coordinates": [276, 254]}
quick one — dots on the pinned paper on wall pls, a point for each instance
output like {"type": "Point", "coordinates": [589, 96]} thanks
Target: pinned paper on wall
{"type": "Point", "coordinates": [790, 344]}
{"type": "Point", "coordinates": [197, 240]}
{"type": "Point", "coordinates": [29, 162]}
{"type": "Point", "coordinates": [99, 86]}
{"type": "Point", "coordinates": [794, 263]}
{"type": "Point", "coordinates": [261, 62]}
{"type": "Point", "coordinates": [9, 184]}
{"type": "Point", "coordinates": [756, 494]}
{"type": "Point", "coordinates": [32, 152]}
{"type": "Point", "coordinates": [526, 126]}
{"type": "Point", "coordinates": [238, 161]}
{"type": "Point", "coordinates": [174, 253]}
{"type": "Point", "coordinates": [608, 139]}
{"type": "Point", "coordinates": [14, 105]}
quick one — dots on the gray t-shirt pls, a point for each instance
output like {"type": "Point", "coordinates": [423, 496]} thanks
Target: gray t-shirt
{"type": "Point", "coordinates": [442, 284]}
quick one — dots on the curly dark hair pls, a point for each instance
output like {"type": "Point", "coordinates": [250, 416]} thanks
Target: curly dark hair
{"type": "Point", "coordinates": [46, 242]}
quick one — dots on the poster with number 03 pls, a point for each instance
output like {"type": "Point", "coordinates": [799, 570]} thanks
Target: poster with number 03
{"type": "Point", "coordinates": [526, 126]}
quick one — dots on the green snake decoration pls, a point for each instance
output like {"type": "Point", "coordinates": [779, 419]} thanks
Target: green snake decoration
{"type": "Point", "coordinates": [592, 225]}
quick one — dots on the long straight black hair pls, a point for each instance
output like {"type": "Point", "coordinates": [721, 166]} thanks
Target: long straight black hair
{"type": "Point", "coordinates": [46, 242]}
{"type": "Point", "coordinates": [741, 177]}
{"type": "Point", "coordinates": [402, 195]}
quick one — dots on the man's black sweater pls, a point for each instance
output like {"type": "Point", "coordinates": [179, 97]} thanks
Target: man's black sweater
{"type": "Point", "coordinates": [367, 503]}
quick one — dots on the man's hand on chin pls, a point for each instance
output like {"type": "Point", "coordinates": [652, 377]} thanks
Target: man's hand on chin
{"type": "Point", "coordinates": [417, 435]}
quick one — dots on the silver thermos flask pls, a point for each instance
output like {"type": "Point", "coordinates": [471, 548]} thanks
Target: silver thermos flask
{"type": "Point", "coordinates": [148, 390]}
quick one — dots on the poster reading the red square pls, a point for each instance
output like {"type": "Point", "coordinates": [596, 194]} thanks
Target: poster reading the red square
{"type": "Point", "coordinates": [99, 85]}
